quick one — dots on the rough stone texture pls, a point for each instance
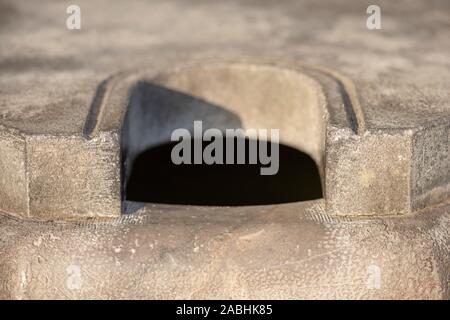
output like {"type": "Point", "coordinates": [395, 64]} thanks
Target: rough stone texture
{"type": "Point", "coordinates": [66, 177]}
{"type": "Point", "coordinates": [70, 177]}
{"type": "Point", "coordinates": [289, 251]}
{"type": "Point", "coordinates": [51, 84]}
{"type": "Point", "coordinates": [364, 172]}
{"type": "Point", "coordinates": [369, 174]}
{"type": "Point", "coordinates": [431, 165]}
{"type": "Point", "coordinates": [60, 152]}
{"type": "Point", "coordinates": [13, 184]}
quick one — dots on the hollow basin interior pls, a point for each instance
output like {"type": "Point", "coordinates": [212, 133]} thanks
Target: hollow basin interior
{"type": "Point", "coordinates": [224, 97]}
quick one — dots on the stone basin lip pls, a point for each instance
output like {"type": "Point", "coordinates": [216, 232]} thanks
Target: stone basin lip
{"type": "Point", "coordinates": [288, 251]}
{"type": "Point", "coordinates": [111, 91]}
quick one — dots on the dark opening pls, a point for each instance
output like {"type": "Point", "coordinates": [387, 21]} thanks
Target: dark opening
{"type": "Point", "coordinates": [154, 178]}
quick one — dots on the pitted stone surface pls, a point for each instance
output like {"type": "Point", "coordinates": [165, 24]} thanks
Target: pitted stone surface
{"type": "Point", "coordinates": [49, 72]}
{"type": "Point", "coordinates": [50, 78]}
{"type": "Point", "coordinates": [290, 251]}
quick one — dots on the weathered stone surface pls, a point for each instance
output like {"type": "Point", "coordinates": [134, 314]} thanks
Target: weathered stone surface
{"type": "Point", "coordinates": [430, 180]}
{"type": "Point", "coordinates": [364, 172]}
{"type": "Point", "coordinates": [370, 107]}
{"type": "Point", "coordinates": [289, 251]}
{"type": "Point", "coordinates": [72, 177]}
{"type": "Point", "coordinates": [369, 174]}
{"type": "Point", "coordinates": [13, 181]}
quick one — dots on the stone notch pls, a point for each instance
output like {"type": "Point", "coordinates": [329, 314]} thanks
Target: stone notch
{"type": "Point", "coordinates": [74, 176]}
